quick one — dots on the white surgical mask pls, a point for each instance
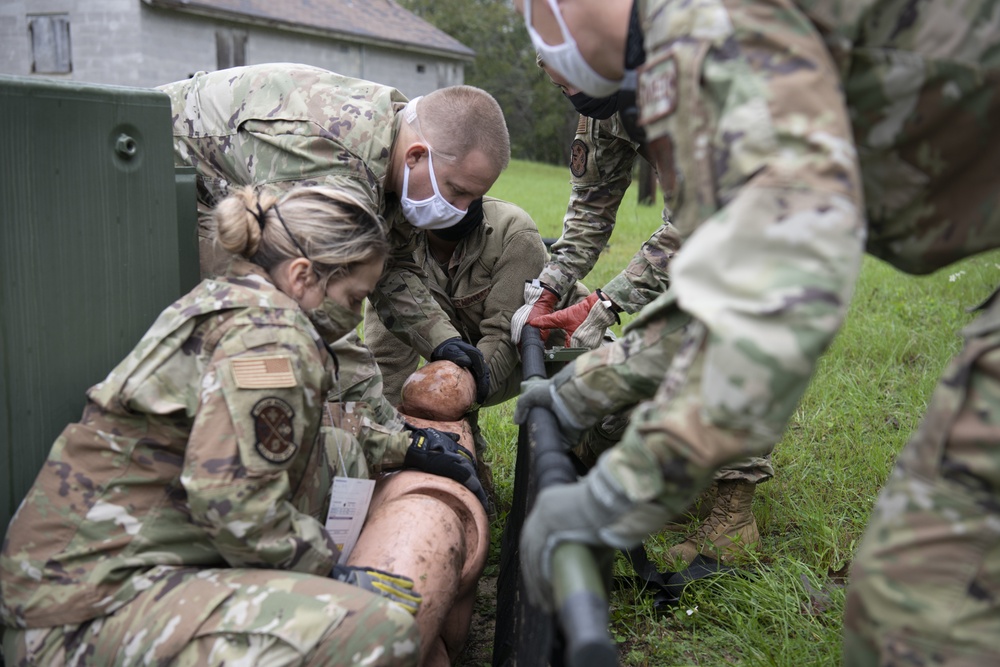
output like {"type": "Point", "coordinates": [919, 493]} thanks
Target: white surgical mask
{"type": "Point", "coordinates": [566, 58]}
{"type": "Point", "coordinates": [435, 212]}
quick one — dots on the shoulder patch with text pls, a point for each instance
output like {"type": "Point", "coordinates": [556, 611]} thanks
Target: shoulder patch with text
{"type": "Point", "coordinates": [472, 299]}
{"type": "Point", "coordinates": [273, 429]}
{"type": "Point", "coordinates": [657, 89]}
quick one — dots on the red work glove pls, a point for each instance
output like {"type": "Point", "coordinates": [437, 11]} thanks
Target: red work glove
{"type": "Point", "coordinates": [539, 300]}
{"type": "Point", "coordinates": [567, 319]}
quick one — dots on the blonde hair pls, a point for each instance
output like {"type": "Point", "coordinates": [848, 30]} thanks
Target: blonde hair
{"type": "Point", "coordinates": [331, 228]}
{"type": "Point", "coordinates": [460, 119]}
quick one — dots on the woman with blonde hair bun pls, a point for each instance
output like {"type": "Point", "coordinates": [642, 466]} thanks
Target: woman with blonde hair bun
{"type": "Point", "coordinates": [180, 521]}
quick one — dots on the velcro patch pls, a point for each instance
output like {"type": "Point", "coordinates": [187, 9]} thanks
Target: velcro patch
{"type": "Point", "coordinates": [472, 299]}
{"type": "Point", "coordinates": [263, 372]}
{"type": "Point", "coordinates": [578, 158]}
{"type": "Point", "coordinates": [345, 416]}
{"type": "Point", "coordinates": [273, 429]}
{"type": "Point", "coordinates": [657, 89]}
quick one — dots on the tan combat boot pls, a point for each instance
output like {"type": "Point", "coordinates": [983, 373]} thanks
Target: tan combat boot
{"type": "Point", "coordinates": [729, 528]}
{"type": "Point", "coordinates": [700, 509]}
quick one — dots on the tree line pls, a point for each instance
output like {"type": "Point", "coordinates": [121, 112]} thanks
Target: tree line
{"type": "Point", "coordinates": [541, 121]}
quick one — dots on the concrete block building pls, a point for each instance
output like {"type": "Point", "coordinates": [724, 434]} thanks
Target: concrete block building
{"type": "Point", "coordinates": [145, 43]}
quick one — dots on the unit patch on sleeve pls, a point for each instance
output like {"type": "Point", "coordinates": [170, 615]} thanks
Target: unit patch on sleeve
{"type": "Point", "coordinates": [273, 429]}
{"type": "Point", "coordinates": [578, 158]}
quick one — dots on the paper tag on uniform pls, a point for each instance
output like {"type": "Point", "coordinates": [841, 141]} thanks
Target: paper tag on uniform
{"type": "Point", "coordinates": [349, 502]}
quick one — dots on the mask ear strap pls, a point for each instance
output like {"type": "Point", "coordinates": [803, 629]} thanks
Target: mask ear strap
{"type": "Point", "coordinates": [563, 28]}
{"type": "Point", "coordinates": [289, 232]}
{"type": "Point", "coordinates": [302, 250]}
{"type": "Point", "coordinates": [434, 180]}
{"type": "Point", "coordinates": [336, 362]}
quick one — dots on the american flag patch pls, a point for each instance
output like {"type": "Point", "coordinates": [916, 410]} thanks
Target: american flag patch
{"type": "Point", "coordinates": [263, 373]}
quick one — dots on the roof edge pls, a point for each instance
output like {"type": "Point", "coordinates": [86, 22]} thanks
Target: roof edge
{"type": "Point", "coordinates": [184, 6]}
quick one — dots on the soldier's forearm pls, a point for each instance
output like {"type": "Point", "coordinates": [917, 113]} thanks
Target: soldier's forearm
{"type": "Point", "coordinates": [620, 375]}
{"type": "Point", "coordinates": [647, 274]}
{"type": "Point", "coordinates": [409, 311]}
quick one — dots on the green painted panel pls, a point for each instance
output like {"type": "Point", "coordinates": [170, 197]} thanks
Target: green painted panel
{"type": "Point", "coordinates": [90, 251]}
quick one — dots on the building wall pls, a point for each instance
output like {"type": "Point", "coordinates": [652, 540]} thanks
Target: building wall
{"type": "Point", "coordinates": [412, 74]}
{"type": "Point", "coordinates": [103, 38]}
{"type": "Point", "coordinates": [129, 43]}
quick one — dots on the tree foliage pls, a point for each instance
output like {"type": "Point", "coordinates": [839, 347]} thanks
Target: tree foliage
{"type": "Point", "coordinates": [540, 120]}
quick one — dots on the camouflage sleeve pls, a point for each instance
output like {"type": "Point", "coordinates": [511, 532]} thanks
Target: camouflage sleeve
{"type": "Point", "coordinates": [628, 371]}
{"type": "Point", "coordinates": [646, 276]}
{"type": "Point", "coordinates": [382, 447]}
{"type": "Point", "coordinates": [600, 173]}
{"type": "Point", "coordinates": [257, 421]}
{"type": "Point", "coordinates": [403, 300]}
{"type": "Point", "coordinates": [773, 235]}
{"type": "Point", "coordinates": [377, 425]}
{"type": "Point", "coordinates": [522, 258]}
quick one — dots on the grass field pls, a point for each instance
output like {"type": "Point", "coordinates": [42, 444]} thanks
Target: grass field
{"type": "Point", "coordinates": [866, 399]}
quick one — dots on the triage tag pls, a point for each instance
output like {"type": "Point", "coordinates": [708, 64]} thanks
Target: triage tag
{"type": "Point", "coordinates": [349, 500]}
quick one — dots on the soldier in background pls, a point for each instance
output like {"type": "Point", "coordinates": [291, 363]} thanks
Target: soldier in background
{"type": "Point", "coordinates": [602, 156]}
{"type": "Point", "coordinates": [181, 518]}
{"type": "Point", "coordinates": [475, 270]}
{"type": "Point", "coordinates": [417, 163]}
{"type": "Point", "coordinates": [607, 142]}
{"type": "Point", "coordinates": [789, 138]}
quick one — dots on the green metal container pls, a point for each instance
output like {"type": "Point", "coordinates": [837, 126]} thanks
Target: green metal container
{"type": "Point", "coordinates": [92, 248]}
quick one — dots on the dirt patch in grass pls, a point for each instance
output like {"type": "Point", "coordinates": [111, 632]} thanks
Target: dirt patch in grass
{"type": "Point", "coordinates": [478, 651]}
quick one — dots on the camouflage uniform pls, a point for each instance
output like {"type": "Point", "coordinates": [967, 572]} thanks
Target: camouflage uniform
{"type": "Point", "coordinates": [479, 289]}
{"type": "Point", "coordinates": [766, 188]}
{"type": "Point", "coordinates": [370, 418]}
{"type": "Point", "coordinates": [180, 521]}
{"type": "Point", "coordinates": [602, 156]}
{"type": "Point", "coordinates": [601, 165]}
{"type": "Point", "coordinates": [925, 582]}
{"type": "Point", "coordinates": [281, 125]}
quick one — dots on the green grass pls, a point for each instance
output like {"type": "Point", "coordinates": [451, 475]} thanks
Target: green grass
{"type": "Point", "coordinates": [867, 397]}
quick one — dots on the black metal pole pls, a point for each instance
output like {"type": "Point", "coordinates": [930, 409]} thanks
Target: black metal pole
{"type": "Point", "coordinates": [581, 598]}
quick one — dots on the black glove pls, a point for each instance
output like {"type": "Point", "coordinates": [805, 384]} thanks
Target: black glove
{"type": "Point", "coordinates": [438, 453]}
{"type": "Point", "coordinates": [460, 353]}
{"type": "Point", "coordinates": [394, 587]}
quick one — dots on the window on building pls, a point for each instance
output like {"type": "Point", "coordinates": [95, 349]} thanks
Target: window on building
{"type": "Point", "coordinates": [230, 48]}
{"type": "Point", "coordinates": [50, 52]}
{"type": "Point", "coordinates": [421, 69]}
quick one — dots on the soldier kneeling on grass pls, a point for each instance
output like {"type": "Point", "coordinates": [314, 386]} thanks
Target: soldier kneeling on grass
{"type": "Point", "coordinates": [178, 518]}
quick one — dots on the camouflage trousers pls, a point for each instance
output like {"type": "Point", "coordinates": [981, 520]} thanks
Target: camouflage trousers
{"type": "Point", "coordinates": [925, 583]}
{"type": "Point", "coordinates": [609, 432]}
{"type": "Point", "coordinates": [230, 617]}
{"type": "Point", "coordinates": [651, 350]}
